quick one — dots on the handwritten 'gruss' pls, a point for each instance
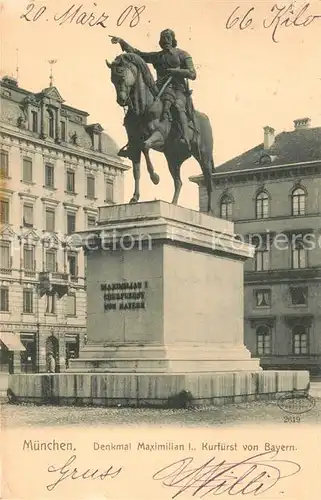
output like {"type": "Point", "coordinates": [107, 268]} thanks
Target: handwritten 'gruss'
{"type": "Point", "coordinates": [69, 471]}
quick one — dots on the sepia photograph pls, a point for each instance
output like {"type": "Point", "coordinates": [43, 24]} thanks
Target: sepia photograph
{"type": "Point", "coordinates": [160, 249]}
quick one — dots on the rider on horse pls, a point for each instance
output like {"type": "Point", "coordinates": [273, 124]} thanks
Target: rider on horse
{"type": "Point", "coordinates": [169, 62]}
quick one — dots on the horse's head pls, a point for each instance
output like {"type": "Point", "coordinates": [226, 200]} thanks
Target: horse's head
{"type": "Point", "coordinates": [123, 76]}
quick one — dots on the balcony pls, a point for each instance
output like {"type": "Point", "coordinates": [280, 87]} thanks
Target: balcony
{"type": "Point", "coordinates": [53, 282]}
{"type": "Point", "coordinates": [279, 275]}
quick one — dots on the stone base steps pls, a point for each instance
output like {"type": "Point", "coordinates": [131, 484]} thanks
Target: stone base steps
{"type": "Point", "coordinates": [130, 389]}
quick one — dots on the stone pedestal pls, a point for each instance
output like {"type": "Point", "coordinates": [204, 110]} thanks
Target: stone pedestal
{"type": "Point", "coordinates": [165, 293]}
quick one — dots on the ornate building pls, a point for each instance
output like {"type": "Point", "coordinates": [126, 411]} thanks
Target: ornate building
{"type": "Point", "coordinates": [56, 169]}
{"type": "Point", "coordinates": [273, 195]}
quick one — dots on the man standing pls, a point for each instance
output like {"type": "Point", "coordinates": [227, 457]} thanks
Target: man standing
{"type": "Point", "coordinates": [169, 62]}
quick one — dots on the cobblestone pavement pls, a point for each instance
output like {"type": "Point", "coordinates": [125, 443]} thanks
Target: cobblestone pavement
{"type": "Point", "coordinates": [257, 413]}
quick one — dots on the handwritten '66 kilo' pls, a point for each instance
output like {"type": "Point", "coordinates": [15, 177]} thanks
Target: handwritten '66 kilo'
{"type": "Point", "coordinates": [280, 16]}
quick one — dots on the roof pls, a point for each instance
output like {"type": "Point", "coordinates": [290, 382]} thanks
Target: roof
{"type": "Point", "coordinates": [297, 146]}
{"type": "Point", "coordinates": [12, 107]}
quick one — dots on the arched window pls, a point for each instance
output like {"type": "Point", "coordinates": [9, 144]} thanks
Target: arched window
{"type": "Point", "coordinates": [226, 207]}
{"type": "Point", "coordinates": [262, 205]}
{"type": "Point", "coordinates": [300, 339]}
{"type": "Point", "coordinates": [298, 201]}
{"type": "Point", "coordinates": [263, 340]}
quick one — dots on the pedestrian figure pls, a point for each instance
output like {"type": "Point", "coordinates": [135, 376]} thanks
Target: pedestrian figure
{"type": "Point", "coordinates": [51, 363]}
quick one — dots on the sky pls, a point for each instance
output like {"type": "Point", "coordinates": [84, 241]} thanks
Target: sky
{"type": "Point", "coordinates": [245, 79]}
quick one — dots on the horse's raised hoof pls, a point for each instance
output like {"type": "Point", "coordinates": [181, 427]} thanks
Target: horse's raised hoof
{"type": "Point", "coordinates": [154, 178]}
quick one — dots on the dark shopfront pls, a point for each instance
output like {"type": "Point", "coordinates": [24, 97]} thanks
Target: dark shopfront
{"type": "Point", "coordinates": [9, 345]}
{"type": "Point", "coordinates": [29, 356]}
{"type": "Point", "coordinates": [72, 347]}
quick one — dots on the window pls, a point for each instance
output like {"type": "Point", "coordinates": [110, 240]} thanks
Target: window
{"type": "Point", "coordinates": [299, 296]}
{"type": "Point", "coordinates": [263, 298]}
{"type": "Point", "coordinates": [70, 187]}
{"type": "Point", "coordinates": [63, 130]}
{"type": "Point", "coordinates": [262, 206]}
{"type": "Point", "coordinates": [29, 258]}
{"type": "Point", "coordinates": [109, 191]}
{"type": "Point", "coordinates": [51, 261]}
{"type": "Point", "coordinates": [4, 299]}
{"type": "Point", "coordinates": [263, 340]}
{"type": "Point", "coordinates": [34, 121]}
{"type": "Point", "coordinates": [5, 255]}
{"type": "Point", "coordinates": [49, 176]}
{"type": "Point", "coordinates": [4, 164]}
{"type": "Point", "coordinates": [27, 215]}
{"type": "Point", "coordinates": [96, 141]}
{"type": "Point", "coordinates": [71, 305]}
{"type": "Point", "coordinates": [91, 221]}
{"type": "Point", "coordinates": [261, 260]}
{"type": "Point", "coordinates": [300, 340]}
{"type": "Point", "coordinates": [262, 256]}
{"type": "Point", "coordinates": [90, 186]}
{"type": "Point", "coordinates": [27, 170]}
{"type": "Point", "coordinates": [50, 219]}
{"type": "Point", "coordinates": [226, 208]}
{"type": "Point", "coordinates": [71, 223]}
{"type": "Point", "coordinates": [4, 212]}
{"type": "Point", "coordinates": [299, 254]}
{"type": "Point", "coordinates": [298, 201]}
{"type": "Point", "coordinates": [28, 301]}
{"type": "Point", "coordinates": [51, 303]}
{"type": "Point", "coordinates": [51, 124]}
{"type": "Point", "coordinates": [72, 264]}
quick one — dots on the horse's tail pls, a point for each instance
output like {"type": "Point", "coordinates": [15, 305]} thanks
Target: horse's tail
{"type": "Point", "coordinates": [213, 166]}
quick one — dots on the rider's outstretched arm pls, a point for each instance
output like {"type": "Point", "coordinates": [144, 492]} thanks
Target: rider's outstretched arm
{"type": "Point", "coordinates": [148, 57]}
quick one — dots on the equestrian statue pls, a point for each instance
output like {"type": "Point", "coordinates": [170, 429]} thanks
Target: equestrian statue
{"type": "Point", "coordinates": [160, 115]}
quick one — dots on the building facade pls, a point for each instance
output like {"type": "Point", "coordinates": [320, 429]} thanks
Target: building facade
{"type": "Point", "coordinates": [56, 169]}
{"type": "Point", "coordinates": [273, 195]}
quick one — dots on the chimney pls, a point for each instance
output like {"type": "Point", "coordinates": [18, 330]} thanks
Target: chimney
{"type": "Point", "coordinates": [269, 137]}
{"type": "Point", "coordinates": [302, 123]}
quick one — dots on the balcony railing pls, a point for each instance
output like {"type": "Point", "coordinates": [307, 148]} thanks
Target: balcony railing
{"type": "Point", "coordinates": [60, 276]}
{"type": "Point", "coordinates": [30, 274]}
{"type": "Point", "coordinates": [283, 274]}
{"type": "Point", "coordinates": [5, 270]}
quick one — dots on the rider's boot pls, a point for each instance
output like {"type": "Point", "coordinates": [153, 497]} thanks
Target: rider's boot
{"type": "Point", "coordinates": [185, 128]}
{"type": "Point", "coordinates": [124, 152]}
{"type": "Point", "coordinates": [166, 114]}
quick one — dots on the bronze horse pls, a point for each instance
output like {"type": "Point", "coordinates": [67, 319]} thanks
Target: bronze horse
{"type": "Point", "coordinates": [136, 89]}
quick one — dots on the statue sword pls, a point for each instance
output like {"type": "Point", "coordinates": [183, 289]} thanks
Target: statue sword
{"type": "Point", "coordinates": [169, 79]}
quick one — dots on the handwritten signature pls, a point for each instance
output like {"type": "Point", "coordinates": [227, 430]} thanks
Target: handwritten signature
{"type": "Point", "coordinates": [69, 471]}
{"type": "Point", "coordinates": [283, 16]}
{"type": "Point", "coordinates": [254, 475]}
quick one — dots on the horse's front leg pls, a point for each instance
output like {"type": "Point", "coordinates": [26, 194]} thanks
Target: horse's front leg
{"type": "Point", "coordinates": [136, 172]}
{"type": "Point", "coordinates": [156, 140]}
{"type": "Point", "coordinates": [150, 168]}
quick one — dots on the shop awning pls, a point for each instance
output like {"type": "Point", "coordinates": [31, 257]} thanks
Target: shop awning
{"type": "Point", "coordinates": [11, 341]}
